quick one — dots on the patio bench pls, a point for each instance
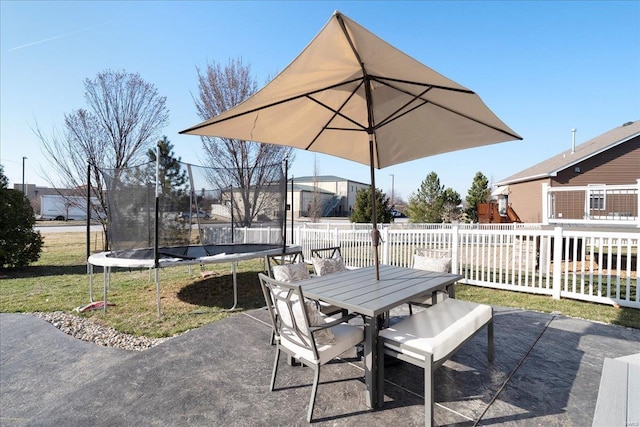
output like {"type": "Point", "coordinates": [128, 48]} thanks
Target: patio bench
{"type": "Point", "coordinates": [619, 393]}
{"type": "Point", "coordinates": [430, 337]}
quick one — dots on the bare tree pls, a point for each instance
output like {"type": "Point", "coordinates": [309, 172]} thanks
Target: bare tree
{"type": "Point", "coordinates": [123, 117]}
{"type": "Point", "coordinates": [245, 166]}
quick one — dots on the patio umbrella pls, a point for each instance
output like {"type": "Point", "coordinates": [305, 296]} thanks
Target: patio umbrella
{"type": "Point", "coordinates": [352, 95]}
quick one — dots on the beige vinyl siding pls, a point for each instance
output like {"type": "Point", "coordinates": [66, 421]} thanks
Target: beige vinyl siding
{"type": "Point", "coordinates": [526, 200]}
{"type": "Point", "coordinates": [618, 165]}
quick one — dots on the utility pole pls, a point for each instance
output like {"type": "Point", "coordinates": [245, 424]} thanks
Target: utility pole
{"type": "Point", "coordinates": [24, 186]}
{"type": "Point", "coordinates": [392, 195]}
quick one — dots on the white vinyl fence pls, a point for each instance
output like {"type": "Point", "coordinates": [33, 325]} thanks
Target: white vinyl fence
{"type": "Point", "coordinates": [594, 266]}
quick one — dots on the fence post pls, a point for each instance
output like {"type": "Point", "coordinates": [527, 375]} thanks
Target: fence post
{"type": "Point", "coordinates": [557, 262]}
{"type": "Point", "coordinates": [296, 240]}
{"type": "Point", "coordinates": [386, 247]}
{"type": "Point", "coordinates": [455, 243]}
{"type": "Point", "coordinates": [336, 238]}
{"type": "Point", "coordinates": [545, 204]}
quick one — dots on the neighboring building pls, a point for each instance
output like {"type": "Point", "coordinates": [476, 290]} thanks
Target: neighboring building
{"type": "Point", "coordinates": [596, 180]}
{"type": "Point", "coordinates": [34, 193]}
{"type": "Point", "coordinates": [333, 196]}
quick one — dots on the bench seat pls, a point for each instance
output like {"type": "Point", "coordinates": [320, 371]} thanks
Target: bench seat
{"type": "Point", "coordinates": [619, 393]}
{"type": "Point", "coordinates": [428, 338]}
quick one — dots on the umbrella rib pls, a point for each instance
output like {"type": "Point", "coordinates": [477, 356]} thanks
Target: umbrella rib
{"type": "Point", "coordinates": [273, 104]}
{"type": "Point", "coordinates": [396, 114]}
{"type": "Point", "coordinates": [514, 136]}
{"type": "Point", "coordinates": [335, 113]}
{"type": "Point", "coordinates": [384, 81]}
{"type": "Point", "coordinates": [392, 118]}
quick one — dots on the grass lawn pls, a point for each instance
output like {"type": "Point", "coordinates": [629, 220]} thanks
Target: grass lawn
{"type": "Point", "coordinates": [59, 282]}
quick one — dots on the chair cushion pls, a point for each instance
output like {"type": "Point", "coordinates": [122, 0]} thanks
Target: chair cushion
{"type": "Point", "coordinates": [346, 337]}
{"type": "Point", "coordinates": [316, 318]}
{"type": "Point", "coordinates": [291, 272]}
{"type": "Point", "coordinates": [324, 266]}
{"type": "Point", "coordinates": [438, 330]}
{"type": "Point", "coordinates": [442, 265]}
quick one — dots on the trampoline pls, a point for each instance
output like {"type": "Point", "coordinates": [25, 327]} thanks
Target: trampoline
{"type": "Point", "coordinates": [183, 255]}
{"type": "Point", "coordinates": [164, 214]}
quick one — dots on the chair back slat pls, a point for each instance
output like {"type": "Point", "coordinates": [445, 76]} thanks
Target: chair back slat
{"type": "Point", "coordinates": [332, 252]}
{"type": "Point", "coordinates": [283, 259]}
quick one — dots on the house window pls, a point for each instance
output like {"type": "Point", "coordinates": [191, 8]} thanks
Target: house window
{"type": "Point", "coordinates": [597, 198]}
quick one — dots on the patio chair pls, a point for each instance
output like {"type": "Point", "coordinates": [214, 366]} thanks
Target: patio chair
{"type": "Point", "coordinates": [283, 259]}
{"type": "Point", "coordinates": [429, 338]}
{"type": "Point", "coordinates": [327, 260]}
{"type": "Point", "coordinates": [438, 260]}
{"type": "Point", "coordinates": [303, 332]}
{"type": "Point", "coordinates": [330, 252]}
{"type": "Point", "coordinates": [292, 268]}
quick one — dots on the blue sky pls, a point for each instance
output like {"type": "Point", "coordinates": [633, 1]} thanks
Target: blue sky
{"type": "Point", "coordinates": [542, 67]}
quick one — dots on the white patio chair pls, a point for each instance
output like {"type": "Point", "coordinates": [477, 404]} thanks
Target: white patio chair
{"type": "Point", "coordinates": [328, 260]}
{"type": "Point", "coordinates": [292, 268]}
{"type": "Point", "coordinates": [303, 332]}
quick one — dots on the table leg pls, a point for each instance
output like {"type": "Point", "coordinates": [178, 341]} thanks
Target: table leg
{"type": "Point", "coordinates": [451, 290]}
{"type": "Point", "coordinates": [370, 361]}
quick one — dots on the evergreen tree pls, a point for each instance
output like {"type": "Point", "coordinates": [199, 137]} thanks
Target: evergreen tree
{"type": "Point", "coordinates": [478, 193]}
{"type": "Point", "coordinates": [171, 173]}
{"type": "Point", "coordinates": [20, 245]}
{"type": "Point", "coordinates": [451, 205]}
{"type": "Point", "coordinates": [426, 205]}
{"type": "Point", "coordinates": [361, 211]}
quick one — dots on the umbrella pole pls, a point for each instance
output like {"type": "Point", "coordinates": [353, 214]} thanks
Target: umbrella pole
{"type": "Point", "coordinates": [375, 233]}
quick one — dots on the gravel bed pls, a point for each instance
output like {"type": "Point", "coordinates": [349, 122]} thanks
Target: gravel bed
{"type": "Point", "coordinates": [90, 331]}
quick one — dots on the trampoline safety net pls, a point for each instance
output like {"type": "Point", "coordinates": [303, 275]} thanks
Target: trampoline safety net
{"type": "Point", "coordinates": [195, 205]}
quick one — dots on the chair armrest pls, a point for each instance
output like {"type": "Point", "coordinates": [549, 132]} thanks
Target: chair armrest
{"type": "Point", "coordinates": [335, 322]}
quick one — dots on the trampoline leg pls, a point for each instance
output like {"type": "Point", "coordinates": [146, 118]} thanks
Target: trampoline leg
{"type": "Point", "coordinates": [90, 272]}
{"type": "Point", "coordinates": [158, 291]}
{"type": "Point", "coordinates": [235, 285]}
{"type": "Point", "coordinates": [106, 273]}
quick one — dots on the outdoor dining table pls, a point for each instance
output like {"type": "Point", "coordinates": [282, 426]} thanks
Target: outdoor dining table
{"type": "Point", "coordinates": [359, 292]}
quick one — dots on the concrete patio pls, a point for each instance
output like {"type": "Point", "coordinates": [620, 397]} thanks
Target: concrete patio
{"type": "Point", "coordinates": [546, 372]}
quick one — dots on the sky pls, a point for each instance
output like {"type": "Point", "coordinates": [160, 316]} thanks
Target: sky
{"type": "Point", "coordinates": [544, 68]}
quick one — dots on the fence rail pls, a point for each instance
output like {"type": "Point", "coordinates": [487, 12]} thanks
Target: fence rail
{"type": "Point", "coordinates": [593, 266]}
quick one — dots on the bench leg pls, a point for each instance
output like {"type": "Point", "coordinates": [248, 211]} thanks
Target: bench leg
{"type": "Point", "coordinates": [380, 372]}
{"type": "Point", "coordinates": [428, 391]}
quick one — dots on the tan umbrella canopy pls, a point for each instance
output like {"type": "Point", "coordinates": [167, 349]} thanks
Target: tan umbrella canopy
{"type": "Point", "coordinates": [352, 95]}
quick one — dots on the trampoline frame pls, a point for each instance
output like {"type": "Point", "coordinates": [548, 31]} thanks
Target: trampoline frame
{"type": "Point", "coordinates": [108, 262]}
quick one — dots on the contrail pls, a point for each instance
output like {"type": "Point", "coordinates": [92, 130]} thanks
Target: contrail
{"type": "Point", "coordinates": [55, 37]}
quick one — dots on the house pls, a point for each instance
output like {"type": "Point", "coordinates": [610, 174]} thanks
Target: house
{"type": "Point", "coordinates": [323, 196]}
{"type": "Point", "coordinates": [34, 193]}
{"type": "Point", "coordinates": [597, 180]}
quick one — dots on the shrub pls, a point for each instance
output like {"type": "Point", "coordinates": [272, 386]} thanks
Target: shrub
{"type": "Point", "coordinates": [20, 245]}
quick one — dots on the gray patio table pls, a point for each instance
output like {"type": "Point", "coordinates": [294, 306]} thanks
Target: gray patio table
{"type": "Point", "coordinates": [359, 292]}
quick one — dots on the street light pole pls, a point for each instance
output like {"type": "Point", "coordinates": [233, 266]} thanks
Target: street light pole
{"type": "Point", "coordinates": [392, 195]}
{"type": "Point", "coordinates": [24, 187]}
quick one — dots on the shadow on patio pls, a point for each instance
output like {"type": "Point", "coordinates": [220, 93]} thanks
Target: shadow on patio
{"type": "Point", "coordinates": [546, 372]}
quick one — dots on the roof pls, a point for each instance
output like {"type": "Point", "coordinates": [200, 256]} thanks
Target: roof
{"type": "Point", "coordinates": [309, 188]}
{"type": "Point", "coordinates": [324, 178]}
{"type": "Point", "coordinates": [584, 151]}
